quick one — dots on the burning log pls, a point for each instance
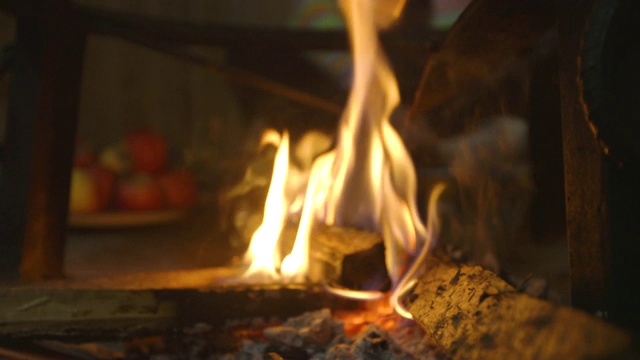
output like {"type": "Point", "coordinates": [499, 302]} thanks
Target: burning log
{"type": "Point", "coordinates": [473, 314]}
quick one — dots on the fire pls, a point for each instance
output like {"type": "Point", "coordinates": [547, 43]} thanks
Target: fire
{"type": "Point", "coordinates": [367, 181]}
{"type": "Point", "coordinates": [263, 249]}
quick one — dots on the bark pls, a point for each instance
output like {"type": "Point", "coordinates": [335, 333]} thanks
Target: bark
{"type": "Point", "coordinates": [473, 314]}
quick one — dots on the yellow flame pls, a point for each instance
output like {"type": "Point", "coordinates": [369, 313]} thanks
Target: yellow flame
{"type": "Point", "coordinates": [263, 252]}
{"type": "Point", "coordinates": [367, 181]}
{"type": "Point", "coordinates": [374, 179]}
{"type": "Point", "coordinates": [270, 137]}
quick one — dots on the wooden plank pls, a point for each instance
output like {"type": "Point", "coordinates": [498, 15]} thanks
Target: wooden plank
{"type": "Point", "coordinates": [89, 314]}
{"type": "Point", "coordinates": [83, 313]}
{"type": "Point", "coordinates": [474, 314]}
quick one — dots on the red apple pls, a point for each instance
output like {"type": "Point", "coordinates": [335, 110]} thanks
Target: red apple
{"type": "Point", "coordinates": [105, 181]}
{"type": "Point", "coordinates": [179, 187]}
{"type": "Point", "coordinates": [83, 193]}
{"type": "Point", "coordinates": [139, 192]}
{"type": "Point", "coordinates": [148, 150]}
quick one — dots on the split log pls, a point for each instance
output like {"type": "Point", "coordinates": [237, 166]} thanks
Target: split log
{"type": "Point", "coordinates": [473, 314]}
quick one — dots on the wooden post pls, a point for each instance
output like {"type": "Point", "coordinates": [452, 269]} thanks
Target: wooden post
{"type": "Point", "coordinates": [40, 138]}
{"type": "Point", "coordinates": [586, 209]}
{"type": "Point", "coordinates": [602, 194]}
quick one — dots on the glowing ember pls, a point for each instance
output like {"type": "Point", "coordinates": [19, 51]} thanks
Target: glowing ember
{"type": "Point", "coordinates": [368, 181]}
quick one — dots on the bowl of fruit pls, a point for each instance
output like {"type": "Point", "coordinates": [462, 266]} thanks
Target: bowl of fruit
{"type": "Point", "coordinates": [129, 183]}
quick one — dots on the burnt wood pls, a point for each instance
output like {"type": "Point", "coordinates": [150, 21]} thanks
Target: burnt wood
{"type": "Point", "coordinates": [473, 314]}
{"type": "Point", "coordinates": [603, 199]}
{"type": "Point", "coordinates": [611, 77]}
{"type": "Point", "coordinates": [40, 138]}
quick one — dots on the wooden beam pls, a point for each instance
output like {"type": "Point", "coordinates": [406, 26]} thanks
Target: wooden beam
{"type": "Point", "coordinates": [474, 314]}
{"type": "Point", "coordinates": [242, 77]}
{"type": "Point", "coordinates": [130, 26]}
{"type": "Point", "coordinates": [125, 25]}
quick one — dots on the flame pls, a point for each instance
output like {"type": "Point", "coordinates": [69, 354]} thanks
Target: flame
{"type": "Point", "coordinates": [368, 180]}
{"type": "Point", "coordinates": [263, 252]}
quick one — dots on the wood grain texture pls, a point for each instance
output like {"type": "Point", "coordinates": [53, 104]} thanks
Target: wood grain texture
{"type": "Point", "coordinates": [601, 183]}
{"type": "Point", "coordinates": [585, 174]}
{"type": "Point", "coordinates": [474, 314]}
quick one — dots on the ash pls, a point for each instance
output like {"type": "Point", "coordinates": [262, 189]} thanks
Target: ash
{"type": "Point", "coordinates": [312, 335]}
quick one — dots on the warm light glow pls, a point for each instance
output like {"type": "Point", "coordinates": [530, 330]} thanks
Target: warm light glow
{"type": "Point", "coordinates": [270, 137]}
{"type": "Point", "coordinates": [356, 294]}
{"type": "Point", "coordinates": [296, 264]}
{"type": "Point", "coordinates": [409, 280]}
{"type": "Point", "coordinates": [368, 181]}
{"type": "Point", "coordinates": [263, 250]}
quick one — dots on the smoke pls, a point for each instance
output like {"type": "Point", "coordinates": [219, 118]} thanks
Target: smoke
{"type": "Point", "coordinates": [491, 170]}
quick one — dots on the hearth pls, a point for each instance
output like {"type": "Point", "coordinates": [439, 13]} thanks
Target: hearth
{"type": "Point", "coordinates": [501, 145]}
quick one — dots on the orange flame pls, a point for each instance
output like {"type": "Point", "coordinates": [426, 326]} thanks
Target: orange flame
{"type": "Point", "coordinates": [367, 181]}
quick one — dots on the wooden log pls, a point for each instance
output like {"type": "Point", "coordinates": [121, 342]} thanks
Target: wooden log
{"type": "Point", "coordinates": [474, 314]}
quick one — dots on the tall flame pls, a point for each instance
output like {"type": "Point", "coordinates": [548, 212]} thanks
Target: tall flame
{"type": "Point", "coordinates": [263, 249]}
{"type": "Point", "coordinates": [374, 177]}
{"type": "Point", "coordinates": [368, 180]}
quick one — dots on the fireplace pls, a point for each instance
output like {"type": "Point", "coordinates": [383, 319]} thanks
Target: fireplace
{"type": "Point", "coordinates": [465, 99]}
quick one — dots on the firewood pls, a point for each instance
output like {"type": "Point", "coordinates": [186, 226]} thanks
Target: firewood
{"type": "Point", "coordinates": [473, 314]}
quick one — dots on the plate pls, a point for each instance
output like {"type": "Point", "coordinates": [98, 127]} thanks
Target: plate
{"type": "Point", "coordinates": [124, 219]}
